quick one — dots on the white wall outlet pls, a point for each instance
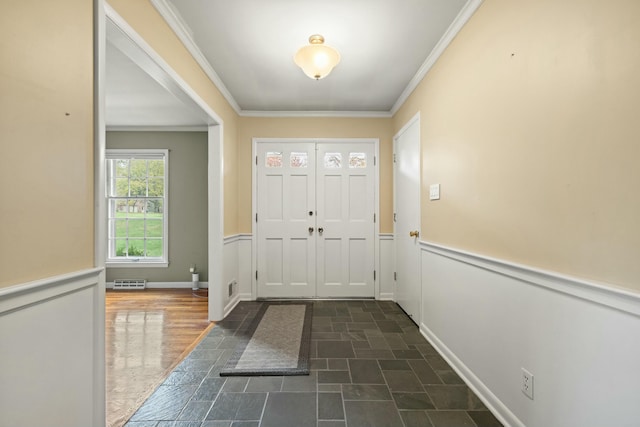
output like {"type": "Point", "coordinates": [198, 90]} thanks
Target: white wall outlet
{"type": "Point", "coordinates": [434, 192]}
{"type": "Point", "coordinates": [527, 383]}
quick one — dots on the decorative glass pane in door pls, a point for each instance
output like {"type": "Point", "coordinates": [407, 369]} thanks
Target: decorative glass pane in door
{"type": "Point", "coordinates": [298, 160]}
{"type": "Point", "coordinates": [357, 160]}
{"type": "Point", "coordinates": [273, 159]}
{"type": "Point", "coordinates": [332, 160]}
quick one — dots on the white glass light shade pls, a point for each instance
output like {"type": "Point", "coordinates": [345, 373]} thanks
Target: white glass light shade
{"type": "Point", "coordinates": [316, 59]}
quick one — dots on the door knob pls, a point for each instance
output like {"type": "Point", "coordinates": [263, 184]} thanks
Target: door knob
{"type": "Point", "coordinates": [320, 230]}
{"type": "Point", "coordinates": [310, 230]}
{"type": "Point", "coordinates": [414, 233]}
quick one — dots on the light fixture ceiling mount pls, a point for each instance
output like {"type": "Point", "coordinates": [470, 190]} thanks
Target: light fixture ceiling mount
{"type": "Point", "coordinates": [317, 59]}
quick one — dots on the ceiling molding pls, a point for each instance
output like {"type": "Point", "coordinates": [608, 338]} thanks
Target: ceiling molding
{"type": "Point", "coordinates": [179, 27]}
{"type": "Point", "coordinates": [465, 14]}
{"type": "Point", "coordinates": [339, 114]}
{"type": "Point", "coordinates": [203, 128]}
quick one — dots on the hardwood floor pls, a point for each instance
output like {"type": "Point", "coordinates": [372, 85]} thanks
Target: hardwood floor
{"type": "Point", "coordinates": [147, 334]}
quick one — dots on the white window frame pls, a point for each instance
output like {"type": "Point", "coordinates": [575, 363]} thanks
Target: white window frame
{"type": "Point", "coordinates": [139, 261]}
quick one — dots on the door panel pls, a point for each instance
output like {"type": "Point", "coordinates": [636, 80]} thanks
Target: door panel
{"type": "Point", "coordinates": [286, 194]}
{"type": "Point", "coordinates": [346, 205]}
{"type": "Point", "coordinates": [407, 207]}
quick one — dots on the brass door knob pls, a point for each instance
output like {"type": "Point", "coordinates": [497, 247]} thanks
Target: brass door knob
{"type": "Point", "coordinates": [414, 233]}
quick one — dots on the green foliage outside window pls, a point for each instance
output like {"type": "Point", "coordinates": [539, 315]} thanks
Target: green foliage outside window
{"type": "Point", "coordinates": [136, 207]}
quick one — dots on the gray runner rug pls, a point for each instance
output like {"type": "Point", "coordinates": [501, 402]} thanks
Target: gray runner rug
{"type": "Point", "coordinates": [276, 343]}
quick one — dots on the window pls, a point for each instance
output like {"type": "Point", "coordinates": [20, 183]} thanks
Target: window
{"type": "Point", "coordinates": [273, 159]}
{"type": "Point", "coordinates": [332, 160]}
{"type": "Point", "coordinates": [357, 160]}
{"type": "Point", "coordinates": [137, 207]}
{"type": "Point", "coordinates": [298, 160]}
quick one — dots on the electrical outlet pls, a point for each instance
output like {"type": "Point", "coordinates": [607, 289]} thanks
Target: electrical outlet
{"type": "Point", "coordinates": [527, 383]}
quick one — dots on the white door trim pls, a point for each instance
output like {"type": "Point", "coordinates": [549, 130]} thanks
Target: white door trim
{"type": "Point", "coordinates": [123, 36]}
{"type": "Point", "coordinates": [254, 202]}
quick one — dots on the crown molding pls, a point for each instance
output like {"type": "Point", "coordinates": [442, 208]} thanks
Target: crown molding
{"type": "Point", "coordinates": [465, 14]}
{"type": "Point", "coordinates": [179, 27]}
{"type": "Point", "coordinates": [338, 114]}
{"type": "Point", "coordinates": [116, 128]}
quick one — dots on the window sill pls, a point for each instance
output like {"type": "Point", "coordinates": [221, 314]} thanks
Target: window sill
{"type": "Point", "coordinates": [136, 264]}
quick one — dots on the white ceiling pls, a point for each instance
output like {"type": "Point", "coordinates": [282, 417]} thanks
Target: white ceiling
{"type": "Point", "coordinates": [247, 48]}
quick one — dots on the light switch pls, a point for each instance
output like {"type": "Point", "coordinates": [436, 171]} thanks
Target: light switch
{"type": "Point", "coordinates": [434, 192]}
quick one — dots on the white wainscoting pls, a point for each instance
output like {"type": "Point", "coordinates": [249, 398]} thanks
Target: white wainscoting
{"type": "Point", "coordinates": [489, 319]}
{"type": "Point", "coordinates": [386, 281]}
{"type": "Point", "coordinates": [237, 270]}
{"type": "Point", "coordinates": [245, 271]}
{"type": "Point", "coordinates": [52, 352]}
{"type": "Point", "coordinates": [245, 274]}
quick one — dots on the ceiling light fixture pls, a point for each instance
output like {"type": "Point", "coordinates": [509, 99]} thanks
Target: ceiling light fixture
{"type": "Point", "coordinates": [317, 59]}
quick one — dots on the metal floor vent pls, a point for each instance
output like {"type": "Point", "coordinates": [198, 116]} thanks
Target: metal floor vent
{"type": "Point", "coordinates": [129, 284]}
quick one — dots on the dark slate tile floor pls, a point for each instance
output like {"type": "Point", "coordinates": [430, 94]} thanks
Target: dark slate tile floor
{"type": "Point", "coordinates": [370, 367]}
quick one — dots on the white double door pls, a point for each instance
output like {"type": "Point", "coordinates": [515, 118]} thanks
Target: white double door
{"type": "Point", "coordinates": [315, 219]}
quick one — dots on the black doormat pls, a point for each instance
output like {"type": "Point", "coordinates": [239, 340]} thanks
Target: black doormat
{"type": "Point", "coordinates": [276, 343]}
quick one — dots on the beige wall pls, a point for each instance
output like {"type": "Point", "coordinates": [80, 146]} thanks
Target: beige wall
{"type": "Point", "coordinates": [46, 139]}
{"type": "Point", "coordinates": [529, 122]}
{"type": "Point", "coordinates": [250, 128]}
{"type": "Point", "coordinates": [147, 22]}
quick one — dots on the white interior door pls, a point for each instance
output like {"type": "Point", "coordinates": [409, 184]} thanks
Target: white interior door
{"type": "Point", "coordinates": [407, 219]}
{"type": "Point", "coordinates": [286, 259]}
{"type": "Point", "coordinates": [315, 219]}
{"type": "Point", "coordinates": [346, 228]}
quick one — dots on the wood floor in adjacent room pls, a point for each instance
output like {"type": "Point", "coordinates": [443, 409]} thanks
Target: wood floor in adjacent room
{"type": "Point", "coordinates": [147, 333]}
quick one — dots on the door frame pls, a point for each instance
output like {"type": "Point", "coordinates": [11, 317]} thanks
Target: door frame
{"type": "Point", "coordinates": [413, 120]}
{"type": "Point", "coordinates": [108, 21]}
{"type": "Point", "coordinates": [254, 202]}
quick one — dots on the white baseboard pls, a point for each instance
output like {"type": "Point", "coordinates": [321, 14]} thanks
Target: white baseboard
{"type": "Point", "coordinates": [504, 415]}
{"type": "Point", "coordinates": [231, 305]}
{"type": "Point", "coordinates": [245, 297]}
{"type": "Point", "coordinates": [169, 285]}
{"type": "Point", "coordinates": [387, 296]}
